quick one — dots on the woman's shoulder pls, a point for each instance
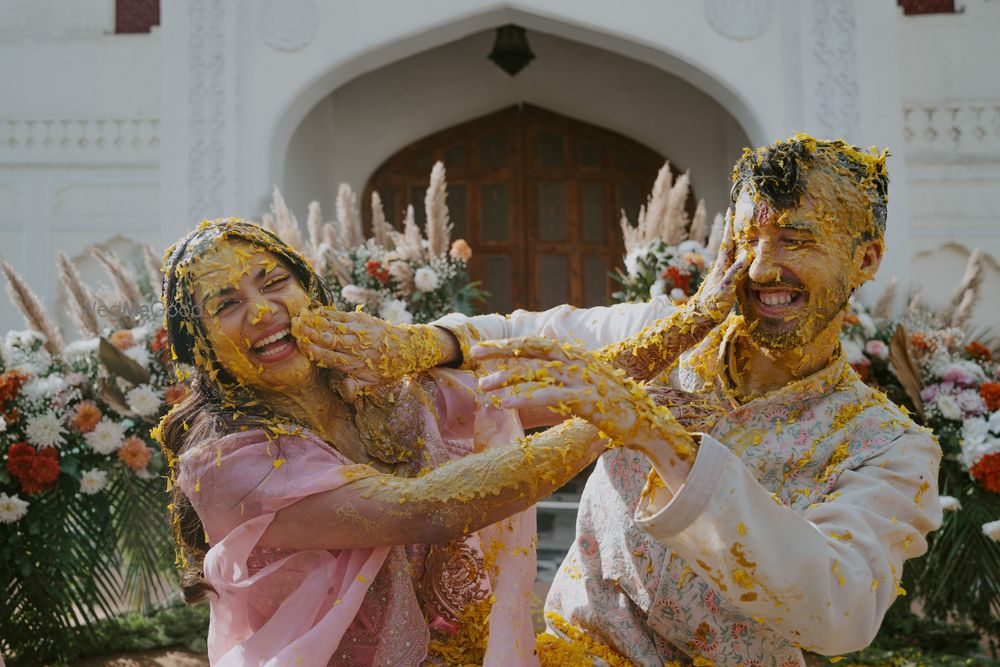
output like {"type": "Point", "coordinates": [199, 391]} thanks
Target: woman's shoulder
{"type": "Point", "coordinates": [271, 441]}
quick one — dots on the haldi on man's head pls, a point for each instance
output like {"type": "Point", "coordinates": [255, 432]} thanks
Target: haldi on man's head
{"type": "Point", "coordinates": [812, 215]}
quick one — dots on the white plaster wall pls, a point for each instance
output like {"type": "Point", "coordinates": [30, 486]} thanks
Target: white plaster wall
{"type": "Point", "coordinates": [951, 99]}
{"type": "Point", "coordinates": [79, 139]}
{"type": "Point", "coordinates": [354, 129]}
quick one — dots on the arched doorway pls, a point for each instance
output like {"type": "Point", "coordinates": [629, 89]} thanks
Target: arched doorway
{"type": "Point", "coordinates": [536, 194]}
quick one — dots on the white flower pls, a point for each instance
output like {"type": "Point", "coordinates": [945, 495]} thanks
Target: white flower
{"type": "Point", "coordinates": [93, 481]}
{"type": "Point", "coordinates": [949, 504]}
{"type": "Point", "coordinates": [40, 387]}
{"type": "Point", "coordinates": [692, 246]}
{"type": "Point", "coordinates": [992, 530]}
{"type": "Point", "coordinates": [852, 351]}
{"type": "Point", "coordinates": [394, 310]}
{"type": "Point", "coordinates": [355, 294]}
{"type": "Point", "coordinates": [140, 354]}
{"type": "Point", "coordinates": [867, 324]}
{"type": "Point", "coordinates": [106, 437]}
{"type": "Point", "coordinates": [23, 339]}
{"type": "Point", "coordinates": [658, 288]}
{"type": "Point", "coordinates": [44, 430]}
{"type": "Point", "coordinates": [79, 350]}
{"type": "Point", "coordinates": [426, 279]}
{"type": "Point", "coordinates": [974, 430]}
{"type": "Point", "coordinates": [971, 402]}
{"type": "Point", "coordinates": [143, 473]}
{"type": "Point", "coordinates": [144, 400]}
{"type": "Point", "coordinates": [12, 508]}
{"type": "Point", "coordinates": [994, 423]}
{"type": "Point", "coordinates": [948, 406]}
{"type": "Point", "coordinates": [677, 294]}
{"type": "Point", "coordinates": [3, 424]}
{"type": "Point", "coordinates": [632, 259]}
{"type": "Point", "coordinates": [876, 348]}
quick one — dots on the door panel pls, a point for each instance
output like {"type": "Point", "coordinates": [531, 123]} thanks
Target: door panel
{"type": "Point", "coordinates": [538, 197]}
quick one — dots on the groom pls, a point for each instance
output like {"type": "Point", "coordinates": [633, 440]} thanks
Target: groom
{"type": "Point", "coordinates": [809, 489]}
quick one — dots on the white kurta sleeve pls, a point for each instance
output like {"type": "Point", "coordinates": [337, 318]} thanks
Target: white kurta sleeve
{"type": "Point", "coordinates": [591, 327]}
{"type": "Point", "coordinates": [825, 577]}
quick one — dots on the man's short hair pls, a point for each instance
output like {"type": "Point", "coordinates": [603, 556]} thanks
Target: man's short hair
{"type": "Point", "coordinates": [777, 173]}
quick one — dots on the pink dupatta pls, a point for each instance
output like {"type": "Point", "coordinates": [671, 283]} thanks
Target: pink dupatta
{"type": "Point", "coordinates": [278, 607]}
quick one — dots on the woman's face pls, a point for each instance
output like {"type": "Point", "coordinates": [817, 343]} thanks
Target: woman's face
{"type": "Point", "coordinates": [246, 298]}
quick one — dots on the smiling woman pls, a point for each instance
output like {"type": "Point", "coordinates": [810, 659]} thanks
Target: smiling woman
{"type": "Point", "coordinates": [336, 532]}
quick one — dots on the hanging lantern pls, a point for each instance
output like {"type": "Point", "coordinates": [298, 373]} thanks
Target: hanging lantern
{"type": "Point", "coordinates": [511, 51]}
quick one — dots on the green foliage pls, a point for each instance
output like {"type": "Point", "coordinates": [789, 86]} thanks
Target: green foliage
{"type": "Point", "coordinates": [171, 624]}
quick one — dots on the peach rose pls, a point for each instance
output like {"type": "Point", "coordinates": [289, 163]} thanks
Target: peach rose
{"type": "Point", "coordinates": [123, 339]}
{"type": "Point", "coordinates": [460, 250]}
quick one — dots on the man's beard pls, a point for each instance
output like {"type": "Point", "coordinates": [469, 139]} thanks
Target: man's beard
{"type": "Point", "coordinates": [780, 337]}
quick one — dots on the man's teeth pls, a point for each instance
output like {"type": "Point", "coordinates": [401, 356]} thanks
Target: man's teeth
{"type": "Point", "coordinates": [776, 298]}
{"type": "Point", "coordinates": [271, 339]}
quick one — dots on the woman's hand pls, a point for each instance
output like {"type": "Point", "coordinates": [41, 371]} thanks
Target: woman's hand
{"type": "Point", "coordinates": [369, 351]}
{"type": "Point", "coordinates": [537, 372]}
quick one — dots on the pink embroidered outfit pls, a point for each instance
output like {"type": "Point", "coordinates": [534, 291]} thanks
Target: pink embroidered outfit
{"type": "Point", "coordinates": [790, 532]}
{"type": "Point", "coordinates": [353, 606]}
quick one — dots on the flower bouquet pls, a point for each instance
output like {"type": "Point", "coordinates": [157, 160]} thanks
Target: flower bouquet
{"type": "Point", "coordinates": [926, 362]}
{"type": "Point", "coordinates": [665, 251]}
{"type": "Point", "coordinates": [402, 277]}
{"type": "Point", "coordinates": [82, 527]}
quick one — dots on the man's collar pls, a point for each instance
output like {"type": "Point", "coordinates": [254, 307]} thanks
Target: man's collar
{"type": "Point", "coordinates": [816, 384]}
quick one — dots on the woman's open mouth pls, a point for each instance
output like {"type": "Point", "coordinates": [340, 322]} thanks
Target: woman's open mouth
{"type": "Point", "coordinates": [275, 347]}
{"type": "Point", "coordinates": [777, 302]}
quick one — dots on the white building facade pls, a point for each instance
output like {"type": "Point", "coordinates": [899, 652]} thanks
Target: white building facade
{"type": "Point", "coordinates": [115, 139]}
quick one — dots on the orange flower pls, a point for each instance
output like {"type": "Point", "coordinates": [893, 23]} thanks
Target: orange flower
{"type": "Point", "coordinates": [850, 318]}
{"type": "Point", "coordinates": [460, 250]}
{"type": "Point", "coordinates": [990, 391]}
{"type": "Point", "coordinates": [921, 342]}
{"type": "Point", "coordinates": [134, 453]}
{"type": "Point", "coordinates": [123, 339]}
{"type": "Point", "coordinates": [86, 417]}
{"type": "Point", "coordinates": [10, 384]}
{"type": "Point", "coordinates": [978, 351]}
{"type": "Point", "coordinates": [174, 393]}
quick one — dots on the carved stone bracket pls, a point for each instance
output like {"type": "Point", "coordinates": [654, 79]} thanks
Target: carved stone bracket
{"type": "Point", "coordinates": [288, 25]}
{"type": "Point", "coordinates": [739, 19]}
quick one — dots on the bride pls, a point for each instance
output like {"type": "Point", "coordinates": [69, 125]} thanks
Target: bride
{"type": "Point", "coordinates": [389, 530]}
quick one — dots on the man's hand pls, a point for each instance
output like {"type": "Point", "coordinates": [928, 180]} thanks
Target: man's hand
{"type": "Point", "coordinates": [538, 372]}
{"type": "Point", "coordinates": [369, 351]}
{"type": "Point", "coordinates": [717, 294]}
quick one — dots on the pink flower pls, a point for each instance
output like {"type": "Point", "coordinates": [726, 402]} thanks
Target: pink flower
{"type": "Point", "coordinates": [963, 373]}
{"type": "Point", "coordinates": [737, 629]}
{"type": "Point", "coordinates": [877, 349]}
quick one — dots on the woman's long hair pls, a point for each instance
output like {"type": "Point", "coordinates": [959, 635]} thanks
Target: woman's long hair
{"type": "Point", "coordinates": [203, 415]}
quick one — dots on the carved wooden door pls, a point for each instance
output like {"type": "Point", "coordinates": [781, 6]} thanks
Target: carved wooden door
{"type": "Point", "coordinates": [536, 195]}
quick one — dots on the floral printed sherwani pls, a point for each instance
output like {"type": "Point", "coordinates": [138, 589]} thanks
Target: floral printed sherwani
{"type": "Point", "coordinates": [790, 532]}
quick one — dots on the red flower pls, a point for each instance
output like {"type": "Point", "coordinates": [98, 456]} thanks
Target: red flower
{"type": "Point", "coordinates": [863, 370]}
{"type": "Point", "coordinates": [35, 470]}
{"type": "Point", "coordinates": [987, 472]}
{"type": "Point", "coordinates": [679, 278]}
{"type": "Point", "coordinates": [978, 351]}
{"type": "Point", "coordinates": [375, 269]}
{"type": "Point", "coordinates": [990, 391]}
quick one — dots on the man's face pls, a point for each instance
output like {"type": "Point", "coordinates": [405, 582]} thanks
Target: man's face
{"type": "Point", "coordinates": [807, 261]}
